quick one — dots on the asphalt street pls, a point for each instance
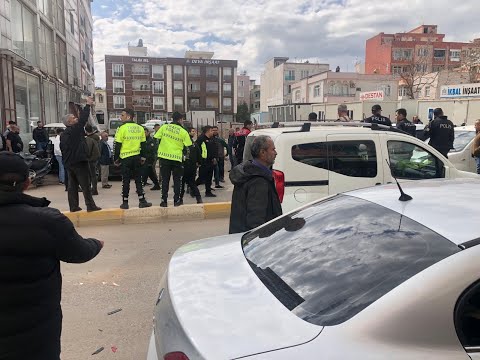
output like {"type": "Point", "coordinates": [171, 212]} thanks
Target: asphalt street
{"type": "Point", "coordinates": [125, 275]}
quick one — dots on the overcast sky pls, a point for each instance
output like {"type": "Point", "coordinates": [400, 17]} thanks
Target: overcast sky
{"type": "Point", "coordinates": [254, 31]}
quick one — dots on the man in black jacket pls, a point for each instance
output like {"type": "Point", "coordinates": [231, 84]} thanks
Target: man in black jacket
{"type": "Point", "coordinates": [255, 199]}
{"type": "Point", "coordinates": [404, 124]}
{"type": "Point", "coordinates": [377, 117]}
{"type": "Point", "coordinates": [75, 156]}
{"type": "Point", "coordinates": [441, 132]}
{"type": "Point", "coordinates": [151, 152]}
{"type": "Point", "coordinates": [192, 160]}
{"type": "Point", "coordinates": [40, 136]}
{"type": "Point", "coordinates": [93, 152]}
{"type": "Point", "coordinates": [205, 173]}
{"type": "Point", "coordinates": [35, 238]}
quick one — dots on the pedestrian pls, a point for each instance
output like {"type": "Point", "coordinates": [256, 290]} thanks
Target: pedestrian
{"type": "Point", "coordinates": [192, 162]}
{"type": "Point", "coordinates": [130, 147]}
{"type": "Point", "coordinates": [377, 117]}
{"type": "Point", "coordinates": [58, 155]}
{"type": "Point", "coordinates": [219, 169]}
{"type": "Point", "coordinates": [312, 117]}
{"type": "Point", "coordinates": [241, 138]}
{"type": "Point", "coordinates": [230, 143]}
{"type": "Point", "coordinates": [9, 128]}
{"type": "Point", "coordinates": [173, 138]}
{"type": "Point", "coordinates": [254, 200]}
{"type": "Point", "coordinates": [40, 136]}
{"type": "Point", "coordinates": [93, 154]}
{"type": "Point", "coordinates": [404, 124]}
{"type": "Point", "coordinates": [342, 112]}
{"type": "Point", "coordinates": [151, 150]}
{"type": "Point", "coordinates": [476, 146]}
{"type": "Point", "coordinates": [441, 132]}
{"type": "Point", "coordinates": [35, 238]}
{"type": "Point", "coordinates": [156, 127]}
{"type": "Point", "coordinates": [74, 154]}
{"type": "Point", "coordinates": [105, 160]}
{"type": "Point", "coordinates": [14, 141]}
{"type": "Point", "coordinates": [205, 173]}
{"type": "Point", "coordinates": [416, 120]}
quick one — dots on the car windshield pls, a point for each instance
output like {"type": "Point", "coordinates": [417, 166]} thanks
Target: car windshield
{"type": "Point", "coordinates": [330, 260]}
{"type": "Point", "coordinates": [462, 139]}
{"type": "Point", "coordinates": [114, 124]}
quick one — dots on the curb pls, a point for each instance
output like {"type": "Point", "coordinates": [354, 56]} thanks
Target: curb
{"type": "Point", "coordinates": [150, 215]}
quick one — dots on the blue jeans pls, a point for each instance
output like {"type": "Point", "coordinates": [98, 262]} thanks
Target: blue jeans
{"type": "Point", "coordinates": [42, 146]}
{"type": "Point", "coordinates": [477, 161]}
{"type": "Point", "coordinates": [61, 169]}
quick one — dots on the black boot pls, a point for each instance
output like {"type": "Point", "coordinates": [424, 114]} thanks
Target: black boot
{"type": "Point", "coordinates": [163, 203]}
{"type": "Point", "coordinates": [178, 202]}
{"type": "Point", "coordinates": [143, 203]}
{"type": "Point", "coordinates": [124, 205]}
{"type": "Point", "coordinates": [199, 200]}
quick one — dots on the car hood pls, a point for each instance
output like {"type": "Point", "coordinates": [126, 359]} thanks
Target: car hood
{"type": "Point", "coordinates": [224, 308]}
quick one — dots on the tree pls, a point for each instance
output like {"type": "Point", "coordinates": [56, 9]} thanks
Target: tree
{"type": "Point", "coordinates": [471, 63]}
{"type": "Point", "coordinates": [243, 112]}
{"type": "Point", "coordinates": [416, 74]}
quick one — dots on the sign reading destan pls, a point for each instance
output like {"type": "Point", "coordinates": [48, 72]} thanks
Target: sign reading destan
{"type": "Point", "coordinates": [457, 91]}
{"type": "Point", "coordinates": [372, 95]}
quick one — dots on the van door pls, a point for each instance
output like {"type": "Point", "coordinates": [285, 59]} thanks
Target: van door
{"type": "Point", "coordinates": [354, 162]}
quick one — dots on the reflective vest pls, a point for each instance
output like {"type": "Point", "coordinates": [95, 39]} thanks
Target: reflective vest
{"type": "Point", "coordinates": [204, 150]}
{"type": "Point", "coordinates": [131, 136]}
{"type": "Point", "coordinates": [173, 138]}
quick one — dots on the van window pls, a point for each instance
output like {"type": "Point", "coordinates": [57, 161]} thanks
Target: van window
{"type": "Point", "coordinates": [355, 158]}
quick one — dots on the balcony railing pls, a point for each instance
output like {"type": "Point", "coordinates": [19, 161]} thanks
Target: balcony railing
{"type": "Point", "coordinates": [158, 107]}
{"type": "Point", "coordinates": [227, 78]}
{"type": "Point", "coordinates": [142, 103]}
{"type": "Point", "coordinates": [158, 76]}
{"type": "Point", "coordinates": [194, 90]}
{"type": "Point", "coordinates": [194, 75]}
{"type": "Point", "coordinates": [213, 77]}
{"type": "Point", "coordinates": [227, 108]}
{"type": "Point", "coordinates": [212, 106]}
{"type": "Point", "coordinates": [119, 90]}
{"type": "Point", "coordinates": [212, 91]}
{"type": "Point", "coordinates": [118, 74]}
{"type": "Point", "coordinates": [119, 105]}
{"type": "Point", "coordinates": [195, 107]}
{"type": "Point", "coordinates": [178, 92]}
{"type": "Point", "coordinates": [178, 107]}
{"type": "Point", "coordinates": [227, 92]}
{"type": "Point", "coordinates": [158, 91]}
{"type": "Point", "coordinates": [141, 88]}
{"type": "Point", "coordinates": [177, 76]}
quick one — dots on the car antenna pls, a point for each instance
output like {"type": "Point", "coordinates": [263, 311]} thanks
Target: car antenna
{"type": "Point", "coordinates": [403, 196]}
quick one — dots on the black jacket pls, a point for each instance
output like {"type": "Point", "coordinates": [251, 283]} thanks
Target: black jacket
{"type": "Point", "coordinates": [106, 156]}
{"type": "Point", "coordinates": [441, 133]}
{"type": "Point", "coordinates": [34, 239]}
{"type": "Point", "coordinates": [15, 141]}
{"type": "Point", "coordinates": [93, 147]}
{"type": "Point", "coordinates": [378, 119]}
{"type": "Point", "coordinates": [72, 141]}
{"type": "Point", "coordinates": [408, 127]}
{"type": "Point", "coordinates": [254, 200]}
{"type": "Point", "coordinates": [210, 144]}
{"type": "Point", "coordinates": [40, 135]}
{"type": "Point", "coordinates": [151, 150]}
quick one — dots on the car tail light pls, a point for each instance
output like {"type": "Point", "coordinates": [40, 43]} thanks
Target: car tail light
{"type": "Point", "coordinates": [177, 355]}
{"type": "Point", "coordinates": [279, 178]}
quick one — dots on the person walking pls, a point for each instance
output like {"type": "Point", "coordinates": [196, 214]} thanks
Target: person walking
{"type": "Point", "coordinates": [40, 136]}
{"type": "Point", "coordinates": [130, 147]}
{"type": "Point", "coordinates": [205, 173]}
{"type": "Point", "coordinates": [192, 160]}
{"type": "Point", "coordinates": [342, 112]}
{"type": "Point", "coordinates": [441, 132]}
{"type": "Point", "coordinates": [58, 155]}
{"type": "Point", "coordinates": [151, 150]}
{"type": "Point", "coordinates": [74, 153]}
{"type": "Point", "coordinates": [404, 124]}
{"type": "Point", "coordinates": [173, 138]}
{"type": "Point", "coordinates": [241, 138]}
{"type": "Point", "coordinates": [93, 151]}
{"type": "Point", "coordinates": [377, 117]}
{"type": "Point", "coordinates": [35, 238]}
{"type": "Point", "coordinates": [105, 160]}
{"type": "Point", "coordinates": [255, 199]}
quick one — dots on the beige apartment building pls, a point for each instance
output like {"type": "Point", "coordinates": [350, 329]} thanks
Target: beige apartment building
{"type": "Point", "coordinates": [243, 86]}
{"type": "Point", "coordinates": [279, 76]}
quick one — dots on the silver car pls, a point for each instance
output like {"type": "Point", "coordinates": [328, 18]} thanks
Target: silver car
{"type": "Point", "coordinates": [359, 275]}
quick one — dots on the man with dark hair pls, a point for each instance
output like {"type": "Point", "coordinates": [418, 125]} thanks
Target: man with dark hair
{"type": "Point", "coordinates": [105, 160]}
{"type": "Point", "coordinates": [205, 173]}
{"type": "Point", "coordinates": [377, 117]}
{"type": "Point", "coordinates": [14, 141]}
{"type": "Point", "coordinates": [93, 154]}
{"type": "Point", "coordinates": [74, 152]}
{"type": "Point", "coordinates": [151, 150]}
{"type": "Point", "coordinates": [130, 147]}
{"type": "Point", "coordinates": [441, 132]}
{"type": "Point", "coordinates": [35, 238]}
{"type": "Point", "coordinates": [219, 162]}
{"type": "Point", "coordinates": [312, 117]}
{"type": "Point", "coordinates": [231, 142]}
{"type": "Point", "coordinates": [404, 124]}
{"type": "Point", "coordinates": [173, 139]}
{"type": "Point", "coordinates": [40, 136]}
{"type": "Point", "coordinates": [192, 160]}
{"type": "Point", "coordinates": [255, 199]}
{"type": "Point", "coordinates": [9, 127]}
{"type": "Point", "coordinates": [241, 138]}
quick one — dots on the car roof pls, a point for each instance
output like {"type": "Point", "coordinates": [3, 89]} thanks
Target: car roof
{"type": "Point", "coordinates": [444, 206]}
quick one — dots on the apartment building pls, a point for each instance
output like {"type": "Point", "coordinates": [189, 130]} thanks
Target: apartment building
{"type": "Point", "coordinates": [46, 59]}
{"type": "Point", "coordinates": [101, 105]}
{"type": "Point", "coordinates": [255, 98]}
{"type": "Point", "coordinates": [243, 94]}
{"type": "Point", "coordinates": [279, 76]}
{"type": "Point", "coordinates": [422, 47]}
{"type": "Point", "coordinates": [155, 87]}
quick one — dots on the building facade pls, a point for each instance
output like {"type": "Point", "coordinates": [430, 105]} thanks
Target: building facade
{"type": "Point", "coordinates": [243, 94]}
{"type": "Point", "coordinates": [255, 98]}
{"type": "Point", "coordinates": [279, 76]}
{"type": "Point", "coordinates": [155, 87]}
{"type": "Point", "coordinates": [46, 59]}
{"type": "Point", "coordinates": [423, 47]}
{"type": "Point", "coordinates": [101, 106]}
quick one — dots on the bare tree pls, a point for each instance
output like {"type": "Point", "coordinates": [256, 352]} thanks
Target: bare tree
{"type": "Point", "coordinates": [471, 63]}
{"type": "Point", "coordinates": [415, 75]}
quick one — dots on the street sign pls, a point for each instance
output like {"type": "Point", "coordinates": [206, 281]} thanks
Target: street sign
{"type": "Point", "coordinates": [458, 91]}
{"type": "Point", "coordinates": [372, 95]}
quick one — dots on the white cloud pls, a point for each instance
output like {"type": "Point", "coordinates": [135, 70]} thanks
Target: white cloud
{"type": "Point", "coordinates": [253, 31]}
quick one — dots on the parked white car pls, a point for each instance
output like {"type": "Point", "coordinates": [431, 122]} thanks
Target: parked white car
{"type": "Point", "coordinates": [332, 158]}
{"type": "Point", "coordinates": [461, 155]}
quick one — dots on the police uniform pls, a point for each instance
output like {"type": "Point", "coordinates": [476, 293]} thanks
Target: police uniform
{"type": "Point", "coordinates": [130, 144]}
{"type": "Point", "coordinates": [205, 173]}
{"type": "Point", "coordinates": [441, 134]}
{"type": "Point", "coordinates": [408, 127]}
{"type": "Point", "coordinates": [378, 119]}
{"type": "Point", "coordinates": [195, 155]}
{"type": "Point", "coordinates": [173, 138]}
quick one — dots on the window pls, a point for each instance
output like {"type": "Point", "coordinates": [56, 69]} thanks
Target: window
{"type": "Point", "coordinates": [118, 101]}
{"type": "Point", "coordinates": [439, 54]}
{"type": "Point", "coordinates": [316, 91]}
{"type": "Point", "coordinates": [140, 85]}
{"type": "Point", "coordinates": [47, 50]}
{"type": "Point", "coordinates": [27, 97]}
{"type": "Point", "coordinates": [462, 139]}
{"type": "Point", "coordinates": [23, 31]}
{"type": "Point", "coordinates": [427, 91]}
{"type": "Point", "coordinates": [75, 70]}
{"type": "Point", "coordinates": [241, 83]}
{"type": "Point", "coordinates": [178, 69]}
{"type": "Point", "coordinates": [194, 71]}
{"type": "Point", "coordinates": [455, 55]}
{"type": "Point", "coordinates": [397, 70]}
{"type": "Point", "coordinates": [402, 91]}
{"type": "Point", "coordinates": [100, 98]}
{"type": "Point", "coordinates": [422, 52]}
{"type": "Point", "coordinates": [227, 89]}
{"type": "Point", "coordinates": [118, 86]}
{"type": "Point", "coordinates": [227, 103]}
{"type": "Point", "coordinates": [304, 74]}
{"type": "Point", "coordinates": [297, 95]}
{"type": "Point", "coordinates": [227, 73]}
{"type": "Point", "coordinates": [193, 86]}
{"type": "Point", "coordinates": [157, 87]}
{"type": "Point", "coordinates": [62, 59]}
{"type": "Point", "coordinates": [387, 89]}
{"type": "Point", "coordinates": [402, 54]}
{"type": "Point", "coordinates": [289, 89]}
{"type": "Point", "coordinates": [194, 102]}
{"type": "Point", "coordinates": [421, 68]}
{"type": "Point", "coordinates": [118, 70]}
{"type": "Point", "coordinates": [142, 100]}
{"type": "Point", "coordinates": [241, 93]}
{"type": "Point", "coordinates": [178, 88]}
{"type": "Point", "coordinates": [178, 103]}
{"type": "Point", "coordinates": [44, 6]}
{"type": "Point", "coordinates": [158, 103]}
{"type": "Point", "coordinates": [50, 100]}
{"type": "Point", "coordinates": [140, 69]}
{"type": "Point", "coordinates": [289, 75]}
{"type": "Point", "coordinates": [211, 102]}
{"type": "Point", "coordinates": [212, 71]}
{"type": "Point", "coordinates": [466, 319]}
{"type": "Point", "coordinates": [301, 257]}
{"type": "Point", "coordinates": [72, 23]}
{"type": "Point", "coordinates": [60, 18]}
{"type": "Point", "coordinates": [212, 87]}
{"type": "Point", "coordinates": [412, 162]}
{"type": "Point", "coordinates": [157, 71]}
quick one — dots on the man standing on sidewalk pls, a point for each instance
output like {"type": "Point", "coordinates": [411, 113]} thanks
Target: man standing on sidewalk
{"type": "Point", "coordinates": [205, 173]}
{"type": "Point", "coordinates": [93, 151]}
{"type": "Point", "coordinates": [106, 159]}
{"type": "Point", "coordinates": [192, 161]}
{"type": "Point", "coordinates": [40, 136]}
{"type": "Point", "coordinates": [130, 143]}
{"type": "Point", "coordinates": [151, 150]}
{"type": "Point", "coordinates": [74, 152]}
{"type": "Point", "coordinates": [173, 138]}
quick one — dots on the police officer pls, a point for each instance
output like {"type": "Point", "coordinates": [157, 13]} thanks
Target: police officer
{"type": "Point", "coordinates": [130, 148]}
{"type": "Point", "coordinates": [151, 150]}
{"type": "Point", "coordinates": [404, 124]}
{"type": "Point", "coordinates": [441, 132]}
{"type": "Point", "coordinates": [377, 117]}
{"type": "Point", "coordinates": [173, 138]}
{"type": "Point", "coordinates": [193, 159]}
{"type": "Point", "coordinates": [205, 173]}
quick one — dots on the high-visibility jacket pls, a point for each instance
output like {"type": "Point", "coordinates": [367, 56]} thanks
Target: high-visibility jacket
{"type": "Point", "coordinates": [173, 138]}
{"type": "Point", "coordinates": [204, 150]}
{"type": "Point", "coordinates": [131, 136]}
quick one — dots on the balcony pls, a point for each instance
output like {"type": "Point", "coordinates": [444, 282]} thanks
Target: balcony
{"type": "Point", "coordinates": [118, 74]}
{"type": "Point", "coordinates": [119, 105]}
{"type": "Point", "coordinates": [141, 103]}
{"type": "Point", "coordinates": [212, 77]}
{"type": "Point", "coordinates": [228, 78]}
{"type": "Point", "coordinates": [212, 106]}
{"type": "Point", "coordinates": [178, 92]}
{"type": "Point", "coordinates": [177, 76]}
{"type": "Point", "coordinates": [212, 91]}
{"type": "Point", "coordinates": [227, 92]}
{"type": "Point", "coordinates": [193, 90]}
{"type": "Point", "coordinates": [178, 107]}
{"type": "Point", "coordinates": [159, 76]}
{"type": "Point", "coordinates": [118, 90]}
{"type": "Point", "coordinates": [195, 107]}
{"type": "Point", "coordinates": [193, 75]}
{"type": "Point", "coordinates": [227, 108]}
{"type": "Point", "coordinates": [159, 107]}
{"type": "Point", "coordinates": [142, 88]}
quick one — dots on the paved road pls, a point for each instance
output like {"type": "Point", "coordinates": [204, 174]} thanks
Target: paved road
{"type": "Point", "coordinates": [125, 275]}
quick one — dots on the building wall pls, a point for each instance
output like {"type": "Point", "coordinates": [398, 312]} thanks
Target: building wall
{"type": "Point", "coordinates": [243, 94]}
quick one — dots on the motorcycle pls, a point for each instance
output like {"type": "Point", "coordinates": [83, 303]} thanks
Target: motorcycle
{"type": "Point", "coordinates": [39, 164]}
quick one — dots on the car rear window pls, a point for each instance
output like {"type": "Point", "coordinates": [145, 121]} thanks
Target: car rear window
{"type": "Point", "coordinates": [462, 139]}
{"type": "Point", "coordinates": [330, 260]}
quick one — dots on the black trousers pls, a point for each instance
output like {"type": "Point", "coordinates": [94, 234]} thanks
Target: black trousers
{"type": "Point", "coordinates": [79, 174]}
{"type": "Point", "coordinates": [131, 168]}
{"type": "Point", "coordinates": [167, 169]}
{"type": "Point", "coordinates": [189, 178]}
{"type": "Point", "coordinates": [150, 172]}
{"type": "Point", "coordinates": [92, 167]}
{"type": "Point", "coordinates": [205, 175]}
